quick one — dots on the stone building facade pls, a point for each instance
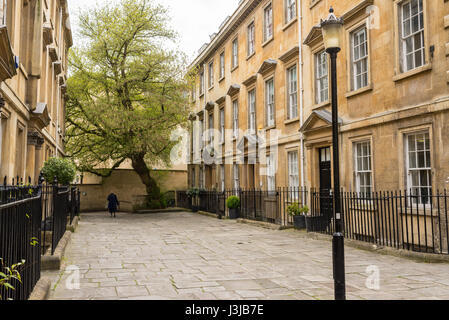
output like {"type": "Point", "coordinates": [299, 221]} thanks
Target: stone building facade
{"type": "Point", "coordinates": [242, 74]}
{"type": "Point", "coordinates": [393, 89]}
{"type": "Point", "coordinates": [35, 36]}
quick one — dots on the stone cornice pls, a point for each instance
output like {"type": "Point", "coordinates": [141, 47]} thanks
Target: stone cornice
{"type": "Point", "coordinates": [233, 90]}
{"type": "Point", "coordinates": [290, 54]}
{"type": "Point", "coordinates": [267, 66]}
{"type": "Point", "coordinates": [250, 80]}
{"type": "Point", "coordinates": [245, 8]}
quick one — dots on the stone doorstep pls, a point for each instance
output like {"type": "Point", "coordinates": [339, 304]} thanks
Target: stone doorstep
{"type": "Point", "coordinates": [41, 290]}
{"type": "Point", "coordinates": [401, 253]}
{"type": "Point", "coordinates": [53, 262]}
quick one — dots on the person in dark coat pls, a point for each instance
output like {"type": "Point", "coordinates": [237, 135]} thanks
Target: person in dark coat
{"type": "Point", "coordinates": [113, 204]}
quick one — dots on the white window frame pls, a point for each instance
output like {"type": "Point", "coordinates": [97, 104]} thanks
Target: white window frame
{"type": "Point", "coordinates": [270, 102]}
{"type": "Point", "coordinates": [235, 118]}
{"type": "Point", "coordinates": [292, 93]}
{"type": "Point", "coordinates": [252, 111]}
{"type": "Point", "coordinates": [222, 125]}
{"type": "Point", "coordinates": [201, 133]}
{"type": "Point", "coordinates": [201, 178]}
{"type": "Point", "coordinates": [290, 10]}
{"type": "Point", "coordinates": [417, 189]}
{"type": "Point", "coordinates": [411, 36]}
{"type": "Point", "coordinates": [235, 53]}
{"type": "Point", "coordinates": [236, 176]}
{"type": "Point", "coordinates": [363, 167]}
{"type": "Point", "coordinates": [271, 173]}
{"type": "Point", "coordinates": [293, 169]}
{"type": "Point", "coordinates": [251, 38]}
{"type": "Point", "coordinates": [211, 126]}
{"type": "Point", "coordinates": [359, 61]}
{"type": "Point", "coordinates": [211, 74]}
{"type": "Point", "coordinates": [202, 83]}
{"type": "Point", "coordinates": [268, 22]}
{"type": "Point", "coordinates": [222, 178]}
{"type": "Point", "coordinates": [222, 65]}
{"type": "Point", "coordinates": [321, 77]}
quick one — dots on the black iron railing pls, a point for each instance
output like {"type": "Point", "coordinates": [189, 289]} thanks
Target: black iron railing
{"type": "Point", "coordinates": [399, 219]}
{"type": "Point", "coordinates": [255, 204]}
{"type": "Point", "coordinates": [20, 237]}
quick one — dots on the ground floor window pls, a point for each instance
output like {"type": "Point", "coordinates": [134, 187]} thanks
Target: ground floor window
{"type": "Point", "coordinates": [418, 164]}
{"type": "Point", "coordinates": [271, 173]}
{"type": "Point", "coordinates": [363, 168]}
{"type": "Point", "coordinates": [222, 177]}
{"type": "Point", "coordinates": [293, 170]}
{"type": "Point", "coordinates": [236, 177]}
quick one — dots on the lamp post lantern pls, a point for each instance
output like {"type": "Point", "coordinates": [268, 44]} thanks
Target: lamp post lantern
{"type": "Point", "coordinates": [332, 30]}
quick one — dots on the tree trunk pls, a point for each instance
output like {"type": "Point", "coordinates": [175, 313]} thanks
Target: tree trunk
{"type": "Point", "coordinates": [140, 167]}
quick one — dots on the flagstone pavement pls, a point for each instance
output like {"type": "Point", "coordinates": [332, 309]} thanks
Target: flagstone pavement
{"type": "Point", "coordinates": [190, 256]}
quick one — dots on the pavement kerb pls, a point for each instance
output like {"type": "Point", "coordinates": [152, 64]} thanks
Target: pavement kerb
{"type": "Point", "coordinates": [53, 262]}
{"type": "Point", "coordinates": [41, 290]}
{"type": "Point", "coordinates": [401, 253]}
{"type": "Point", "coordinates": [72, 227]}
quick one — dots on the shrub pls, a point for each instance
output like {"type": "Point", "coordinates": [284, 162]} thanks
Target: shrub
{"type": "Point", "coordinates": [193, 192]}
{"type": "Point", "coordinates": [63, 169]}
{"type": "Point", "coordinates": [295, 210]}
{"type": "Point", "coordinates": [233, 202]}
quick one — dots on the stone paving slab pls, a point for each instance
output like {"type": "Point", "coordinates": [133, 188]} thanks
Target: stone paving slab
{"type": "Point", "coordinates": [183, 255]}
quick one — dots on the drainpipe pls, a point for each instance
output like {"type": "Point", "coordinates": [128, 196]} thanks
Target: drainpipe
{"type": "Point", "coordinates": [301, 94]}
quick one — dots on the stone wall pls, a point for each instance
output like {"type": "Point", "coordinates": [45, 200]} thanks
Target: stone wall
{"type": "Point", "coordinates": [127, 186]}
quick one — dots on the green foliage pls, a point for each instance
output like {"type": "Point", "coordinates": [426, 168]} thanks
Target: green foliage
{"type": "Point", "coordinates": [233, 202]}
{"type": "Point", "coordinates": [63, 169]}
{"type": "Point", "coordinates": [295, 210]}
{"type": "Point", "coordinates": [127, 92]}
{"type": "Point", "coordinates": [9, 273]}
{"type": "Point", "coordinates": [194, 192]}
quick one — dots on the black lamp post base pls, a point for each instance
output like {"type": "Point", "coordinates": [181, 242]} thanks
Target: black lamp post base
{"type": "Point", "coordinates": [338, 252]}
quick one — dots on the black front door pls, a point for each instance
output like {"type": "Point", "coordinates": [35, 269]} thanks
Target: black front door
{"type": "Point", "coordinates": [325, 182]}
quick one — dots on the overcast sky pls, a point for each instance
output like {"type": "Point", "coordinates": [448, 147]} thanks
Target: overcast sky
{"type": "Point", "coordinates": [194, 20]}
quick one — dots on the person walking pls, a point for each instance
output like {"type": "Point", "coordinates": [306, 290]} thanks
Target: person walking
{"type": "Point", "coordinates": [113, 204]}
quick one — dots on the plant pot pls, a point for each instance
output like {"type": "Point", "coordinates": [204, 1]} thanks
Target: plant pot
{"type": "Point", "coordinates": [299, 222]}
{"type": "Point", "coordinates": [234, 213]}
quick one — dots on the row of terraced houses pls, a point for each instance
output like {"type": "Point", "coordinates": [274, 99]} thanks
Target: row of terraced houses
{"type": "Point", "coordinates": [262, 85]}
{"type": "Point", "coordinates": [35, 36]}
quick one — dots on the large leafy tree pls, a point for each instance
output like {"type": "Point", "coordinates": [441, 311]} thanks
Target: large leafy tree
{"type": "Point", "coordinates": [126, 92]}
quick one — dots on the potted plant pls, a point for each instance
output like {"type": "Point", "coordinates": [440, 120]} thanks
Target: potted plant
{"type": "Point", "coordinates": [233, 204]}
{"type": "Point", "coordinates": [193, 195]}
{"type": "Point", "coordinates": [299, 215]}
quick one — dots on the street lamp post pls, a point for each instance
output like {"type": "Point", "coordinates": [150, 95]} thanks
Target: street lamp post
{"type": "Point", "coordinates": [332, 28]}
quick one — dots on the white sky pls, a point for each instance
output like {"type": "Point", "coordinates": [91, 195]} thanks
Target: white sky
{"type": "Point", "coordinates": [194, 20]}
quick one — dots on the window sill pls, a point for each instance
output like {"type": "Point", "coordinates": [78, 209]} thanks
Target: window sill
{"type": "Point", "coordinates": [270, 127]}
{"type": "Point", "coordinates": [210, 88]}
{"type": "Point", "coordinates": [289, 121]}
{"type": "Point", "coordinates": [201, 95]}
{"type": "Point", "coordinates": [267, 41]}
{"type": "Point", "coordinates": [359, 91]}
{"type": "Point", "coordinates": [286, 26]}
{"type": "Point", "coordinates": [221, 79]}
{"type": "Point", "coordinates": [251, 55]}
{"type": "Point", "coordinates": [232, 70]}
{"type": "Point", "coordinates": [413, 72]}
{"type": "Point", "coordinates": [313, 3]}
{"type": "Point", "coordinates": [321, 105]}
